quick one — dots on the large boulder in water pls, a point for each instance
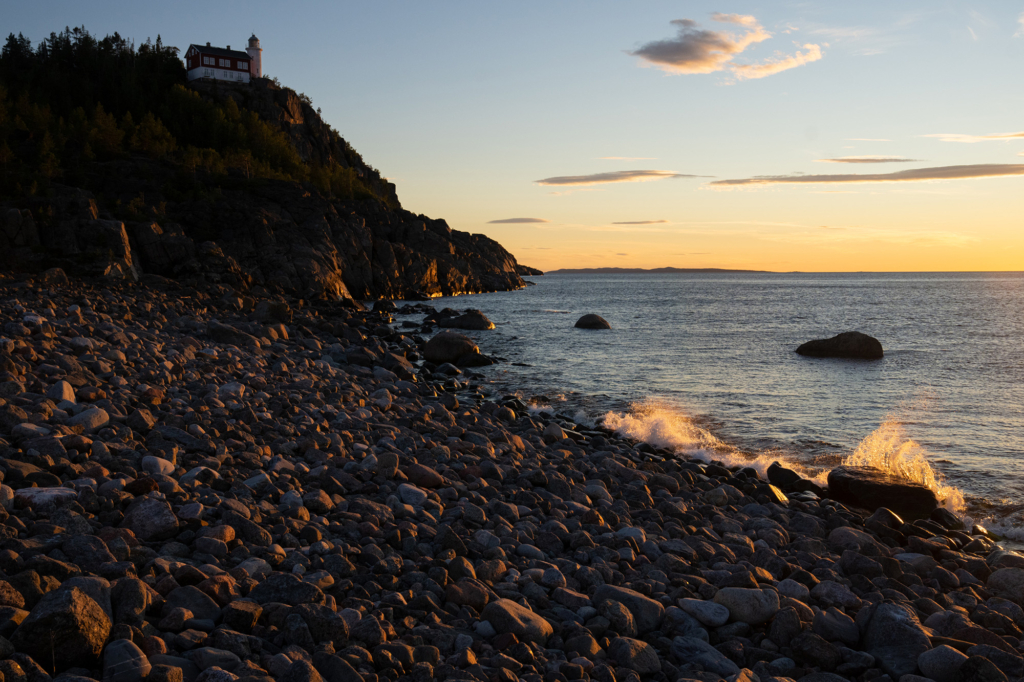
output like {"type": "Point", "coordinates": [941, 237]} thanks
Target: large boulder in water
{"type": "Point", "coordinates": [870, 488]}
{"type": "Point", "coordinates": [471, 319]}
{"type": "Point", "coordinates": [846, 345]}
{"type": "Point", "coordinates": [448, 347]}
{"type": "Point", "coordinates": [592, 321]}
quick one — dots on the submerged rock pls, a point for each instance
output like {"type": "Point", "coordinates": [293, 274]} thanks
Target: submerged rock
{"type": "Point", "coordinates": [870, 488]}
{"type": "Point", "coordinates": [846, 345]}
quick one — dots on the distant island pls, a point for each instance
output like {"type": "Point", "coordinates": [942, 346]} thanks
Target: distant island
{"type": "Point", "coordinates": [639, 271]}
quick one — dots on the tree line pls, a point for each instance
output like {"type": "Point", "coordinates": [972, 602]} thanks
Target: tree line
{"type": "Point", "coordinates": [74, 100]}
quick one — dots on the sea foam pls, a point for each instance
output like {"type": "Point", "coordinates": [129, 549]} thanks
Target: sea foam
{"type": "Point", "coordinates": [887, 448]}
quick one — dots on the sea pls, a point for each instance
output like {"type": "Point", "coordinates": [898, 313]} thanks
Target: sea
{"type": "Point", "coordinates": [704, 364]}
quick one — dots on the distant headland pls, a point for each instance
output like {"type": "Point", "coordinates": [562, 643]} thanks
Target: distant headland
{"type": "Point", "coordinates": [639, 271]}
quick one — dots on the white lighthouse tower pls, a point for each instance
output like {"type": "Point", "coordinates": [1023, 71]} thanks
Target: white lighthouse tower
{"type": "Point", "coordinates": [255, 53]}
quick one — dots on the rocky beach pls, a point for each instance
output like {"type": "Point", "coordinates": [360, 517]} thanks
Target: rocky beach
{"type": "Point", "coordinates": [204, 484]}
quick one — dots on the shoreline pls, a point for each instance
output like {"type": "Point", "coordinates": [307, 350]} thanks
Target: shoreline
{"type": "Point", "coordinates": [200, 501]}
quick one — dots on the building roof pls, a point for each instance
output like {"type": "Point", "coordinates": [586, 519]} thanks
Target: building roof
{"type": "Point", "coordinates": [219, 51]}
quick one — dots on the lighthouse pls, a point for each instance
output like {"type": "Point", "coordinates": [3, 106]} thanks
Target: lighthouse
{"type": "Point", "coordinates": [255, 53]}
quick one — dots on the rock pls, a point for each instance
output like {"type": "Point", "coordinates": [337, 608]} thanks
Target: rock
{"type": "Point", "coordinates": [61, 391]}
{"type": "Point", "coordinates": [979, 669]}
{"type": "Point", "coordinates": [894, 636]}
{"type": "Point", "coordinates": [1007, 583]}
{"type": "Point", "coordinates": [45, 500]}
{"type": "Point", "coordinates": [707, 612]}
{"type": "Point", "coordinates": [193, 599]}
{"type": "Point", "coordinates": [699, 652]}
{"type": "Point", "coordinates": [592, 321]}
{"type": "Point", "coordinates": [448, 347]}
{"type": "Point", "coordinates": [286, 588]}
{"type": "Point", "coordinates": [941, 663]}
{"type": "Point", "coordinates": [123, 661]}
{"type": "Point", "coordinates": [150, 518]}
{"type": "Point", "coordinates": [870, 488]}
{"type": "Point", "coordinates": [91, 419]}
{"type": "Point", "coordinates": [66, 627]}
{"type": "Point", "coordinates": [471, 319]}
{"type": "Point", "coordinates": [634, 654]}
{"type": "Point", "coordinates": [507, 616]}
{"type": "Point", "coordinates": [747, 605]}
{"type": "Point", "coordinates": [846, 345]}
{"type": "Point", "coordinates": [647, 612]}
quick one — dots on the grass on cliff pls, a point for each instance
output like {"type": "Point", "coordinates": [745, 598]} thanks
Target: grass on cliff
{"type": "Point", "coordinates": [74, 100]}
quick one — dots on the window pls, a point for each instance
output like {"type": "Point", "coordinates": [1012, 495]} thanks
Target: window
{"type": "Point", "coordinates": [207, 61]}
{"type": "Point", "coordinates": [243, 65]}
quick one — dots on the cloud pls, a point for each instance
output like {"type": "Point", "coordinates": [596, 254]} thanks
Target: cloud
{"type": "Point", "coordinates": [641, 222]}
{"type": "Point", "coordinates": [1020, 31]}
{"type": "Point", "coordinates": [614, 176]}
{"type": "Point", "coordinates": [699, 50]}
{"type": "Point", "coordinates": [622, 254]}
{"type": "Point", "coordinates": [981, 170]}
{"type": "Point", "coordinates": [508, 221]}
{"type": "Point", "coordinates": [778, 64]}
{"type": "Point", "coordinates": [868, 159]}
{"type": "Point", "coordinates": [627, 158]}
{"type": "Point", "coordinates": [958, 137]}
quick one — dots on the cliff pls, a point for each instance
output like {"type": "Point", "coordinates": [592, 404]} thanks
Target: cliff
{"type": "Point", "coordinates": [240, 185]}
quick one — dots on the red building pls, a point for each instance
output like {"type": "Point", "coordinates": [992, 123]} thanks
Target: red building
{"type": "Point", "coordinates": [224, 64]}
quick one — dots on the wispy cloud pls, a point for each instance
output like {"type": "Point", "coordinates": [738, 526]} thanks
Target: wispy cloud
{"type": "Point", "coordinates": [699, 50]}
{"type": "Point", "coordinates": [981, 170]}
{"type": "Point", "coordinates": [958, 137]}
{"type": "Point", "coordinates": [1020, 31]}
{"type": "Point", "coordinates": [812, 53]}
{"type": "Point", "coordinates": [867, 159]}
{"type": "Point", "coordinates": [627, 158]}
{"type": "Point", "coordinates": [509, 221]}
{"type": "Point", "coordinates": [622, 254]}
{"type": "Point", "coordinates": [640, 222]}
{"type": "Point", "coordinates": [614, 176]}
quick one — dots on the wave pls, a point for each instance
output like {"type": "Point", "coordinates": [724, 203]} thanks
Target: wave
{"type": "Point", "coordinates": [887, 448]}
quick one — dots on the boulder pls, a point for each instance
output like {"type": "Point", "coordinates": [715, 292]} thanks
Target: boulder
{"type": "Point", "coordinates": [150, 518]}
{"type": "Point", "coordinates": [471, 319]}
{"type": "Point", "coordinates": [870, 488]}
{"type": "Point", "coordinates": [592, 321]}
{"type": "Point", "coordinates": [647, 612]}
{"type": "Point", "coordinates": [1007, 583]}
{"type": "Point", "coordinates": [67, 627]}
{"type": "Point", "coordinates": [747, 605]}
{"type": "Point", "coordinates": [894, 636]}
{"type": "Point", "coordinates": [507, 616]}
{"type": "Point", "coordinates": [846, 345]}
{"type": "Point", "coordinates": [449, 347]}
{"type": "Point", "coordinates": [634, 654]}
{"type": "Point", "coordinates": [699, 652]}
{"type": "Point", "coordinates": [123, 661]}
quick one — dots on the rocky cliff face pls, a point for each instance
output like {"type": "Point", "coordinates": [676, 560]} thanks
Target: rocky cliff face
{"type": "Point", "coordinates": [283, 236]}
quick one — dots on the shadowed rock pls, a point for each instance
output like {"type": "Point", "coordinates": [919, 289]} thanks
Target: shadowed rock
{"type": "Point", "coordinates": [449, 347]}
{"type": "Point", "coordinates": [846, 345]}
{"type": "Point", "coordinates": [871, 488]}
{"type": "Point", "coordinates": [592, 321]}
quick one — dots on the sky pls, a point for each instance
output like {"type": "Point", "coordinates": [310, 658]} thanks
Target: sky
{"type": "Point", "coordinates": [813, 136]}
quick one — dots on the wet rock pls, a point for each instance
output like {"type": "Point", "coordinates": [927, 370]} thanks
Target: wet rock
{"type": "Point", "coordinates": [846, 345]}
{"type": "Point", "coordinates": [870, 488]}
{"type": "Point", "coordinates": [448, 347]}
{"type": "Point", "coordinates": [592, 321]}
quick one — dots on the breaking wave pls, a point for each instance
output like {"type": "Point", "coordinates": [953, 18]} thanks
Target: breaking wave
{"type": "Point", "coordinates": [887, 448]}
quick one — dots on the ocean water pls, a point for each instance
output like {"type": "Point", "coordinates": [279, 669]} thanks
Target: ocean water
{"type": "Point", "coordinates": [705, 364]}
